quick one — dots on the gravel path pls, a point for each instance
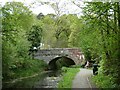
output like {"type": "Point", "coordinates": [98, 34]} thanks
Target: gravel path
{"type": "Point", "coordinates": [82, 79]}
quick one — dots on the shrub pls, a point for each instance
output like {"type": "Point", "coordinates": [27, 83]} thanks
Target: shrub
{"type": "Point", "coordinates": [104, 81]}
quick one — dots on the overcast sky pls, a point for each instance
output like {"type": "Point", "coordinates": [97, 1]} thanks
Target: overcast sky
{"type": "Point", "coordinates": [65, 6]}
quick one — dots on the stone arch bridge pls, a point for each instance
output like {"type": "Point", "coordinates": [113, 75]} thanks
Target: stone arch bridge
{"type": "Point", "coordinates": [51, 54]}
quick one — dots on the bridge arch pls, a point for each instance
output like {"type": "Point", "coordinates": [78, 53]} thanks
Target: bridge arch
{"type": "Point", "coordinates": [47, 55]}
{"type": "Point", "coordinates": [63, 60]}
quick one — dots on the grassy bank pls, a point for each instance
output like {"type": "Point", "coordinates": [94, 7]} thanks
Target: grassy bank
{"type": "Point", "coordinates": [68, 76]}
{"type": "Point", "coordinates": [29, 68]}
{"type": "Point", "coordinates": [104, 81]}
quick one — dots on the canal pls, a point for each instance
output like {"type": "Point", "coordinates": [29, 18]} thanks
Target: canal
{"type": "Point", "coordinates": [48, 79]}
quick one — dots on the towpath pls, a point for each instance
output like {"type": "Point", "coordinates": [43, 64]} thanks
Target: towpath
{"type": "Point", "coordinates": [83, 79]}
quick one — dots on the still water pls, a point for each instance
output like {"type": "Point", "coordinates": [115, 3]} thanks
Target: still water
{"type": "Point", "coordinates": [48, 79]}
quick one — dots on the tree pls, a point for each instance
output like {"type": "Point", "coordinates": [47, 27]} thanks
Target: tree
{"type": "Point", "coordinates": [103, 20]}
{"type": "Point", "coordinates": [35, 36]}
{"type": "Point", "coordinates": [75, 27]}
{"type": "Point", "coordinates": [48, 27]}
{"type": "Point", "coordinates": [17, 19]}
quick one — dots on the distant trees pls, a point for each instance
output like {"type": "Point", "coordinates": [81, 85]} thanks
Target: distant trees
{"type": "Point", "coordinates": [35, 36]}
{"type": "Point", "coordinates": [58, 30]}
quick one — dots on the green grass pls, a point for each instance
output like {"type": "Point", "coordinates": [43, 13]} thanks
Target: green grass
{"type": "Point", "coordinates": [68, 76]}
{"type": "Point", "coordinates": [103, 81]}
{"type": "Point", "coordinates": [76, 66]}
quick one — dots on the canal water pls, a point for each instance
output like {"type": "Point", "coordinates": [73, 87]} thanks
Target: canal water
{"type": "Point", "coordinates": [48, 79]}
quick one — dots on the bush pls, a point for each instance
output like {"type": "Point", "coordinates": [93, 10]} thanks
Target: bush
{"type": "Point", "coordinates": [104, 81]}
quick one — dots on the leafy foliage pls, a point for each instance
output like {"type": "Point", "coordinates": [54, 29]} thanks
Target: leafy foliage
{"type": "Point", "coordinates": [104, 81]}
{"type": "Point", "coordinates": [17, 20]}
{"type": "Point", "coordinates": [101, 36]}
{"type": "Point", "coordinates": [96, 33]}
{"type": "Point", "coordinates": [35, 36]}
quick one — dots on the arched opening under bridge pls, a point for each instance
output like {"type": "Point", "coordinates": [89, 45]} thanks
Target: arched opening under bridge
{"type": "Point", "coordinates": [59, 62]}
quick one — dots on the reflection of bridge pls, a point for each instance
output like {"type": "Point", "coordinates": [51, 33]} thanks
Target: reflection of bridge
{"type": "Point", "coordinates": [51, 54]}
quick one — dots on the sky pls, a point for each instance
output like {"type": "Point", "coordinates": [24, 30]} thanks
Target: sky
{"type": "Point", "coordinates": [65, 6]}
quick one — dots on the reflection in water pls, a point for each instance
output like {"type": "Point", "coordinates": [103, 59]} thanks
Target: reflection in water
{"type": "Point", "coordinates": [48, 79]}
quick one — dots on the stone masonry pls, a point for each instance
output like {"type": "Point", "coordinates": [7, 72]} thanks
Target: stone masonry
{"type": "Point", "coordinates": [49, 54]}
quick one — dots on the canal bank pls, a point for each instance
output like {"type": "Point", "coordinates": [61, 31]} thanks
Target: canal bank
{"type": "Point", "coordinates": [47, 79]}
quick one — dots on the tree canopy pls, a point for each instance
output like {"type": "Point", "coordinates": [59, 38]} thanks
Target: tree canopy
{"type": "Point", "coordinates": [96, 33]}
